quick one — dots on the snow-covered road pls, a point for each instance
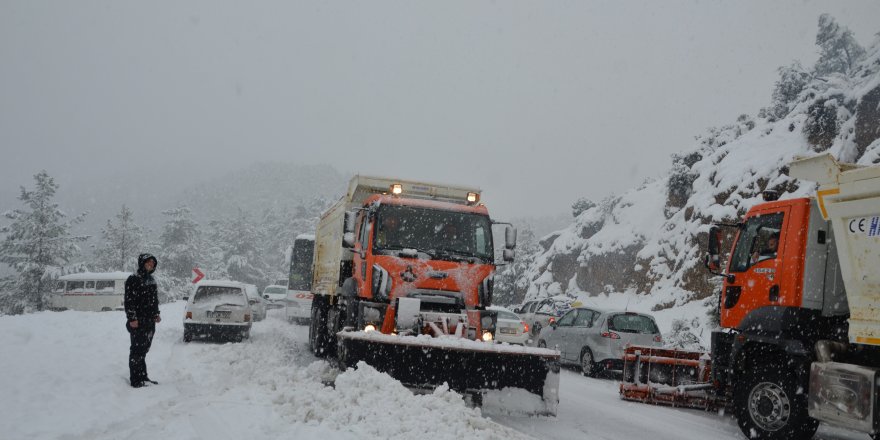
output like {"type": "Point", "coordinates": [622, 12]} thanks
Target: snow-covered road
{"type": "Point", "coordinates": [64, 376]}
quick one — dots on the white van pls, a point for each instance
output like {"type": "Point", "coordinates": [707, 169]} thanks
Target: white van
{"type": "Point", "coordinates": [89, 291]}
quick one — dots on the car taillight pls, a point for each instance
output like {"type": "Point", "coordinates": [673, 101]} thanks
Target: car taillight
{"type": "Point", "coordinates": [611, 335]}
{"type": "Point", "coordinates": [552, 320]}
{"type": "Point", "coordinates": [189, 315]}
{"type": "Point", "coordinates": [525, 327]}
{"type": "Point", "coordinates": [658, 338]}
{"type": "Point", "coordinates": [247, 317]}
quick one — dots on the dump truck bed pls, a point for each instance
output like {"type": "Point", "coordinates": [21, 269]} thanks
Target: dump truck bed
{"type": "Point", "coordinates": [849, 196]}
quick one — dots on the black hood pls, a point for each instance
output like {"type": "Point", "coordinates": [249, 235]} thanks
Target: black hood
{"type": "Point", "coordinates": [142, 259]}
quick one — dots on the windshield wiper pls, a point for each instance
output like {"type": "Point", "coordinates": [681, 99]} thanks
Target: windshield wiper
{"type": "Point", "coordinates": [457, 254]}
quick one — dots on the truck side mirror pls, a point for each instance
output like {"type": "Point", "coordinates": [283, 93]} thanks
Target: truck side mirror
{"type": "Point", "coordinates": [713, 257]}
{"type": "Point", "coordinates": [348, 229]}
{"type": "Point", "coordinates": [509, 239]}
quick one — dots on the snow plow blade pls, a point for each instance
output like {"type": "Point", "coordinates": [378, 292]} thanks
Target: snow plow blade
{"type": "Point", "coordinates": [665, 376]}
{"type": "Point", "coordinates": [468, 367]}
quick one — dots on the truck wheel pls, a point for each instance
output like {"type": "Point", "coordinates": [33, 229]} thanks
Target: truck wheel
{"type": "Point", "coordinates": [318, 338]}
{"type": "Point", "coordinates": [768, 406]}
{"type": "Point", "coordinates": [588, 366]}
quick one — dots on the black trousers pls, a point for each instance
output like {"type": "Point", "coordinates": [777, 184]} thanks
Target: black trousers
{"type": "Point", "coordinates": [141, 340]}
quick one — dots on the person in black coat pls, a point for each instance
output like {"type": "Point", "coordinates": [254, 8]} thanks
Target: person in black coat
{"type": "Point", "coordinates": [142, 314]}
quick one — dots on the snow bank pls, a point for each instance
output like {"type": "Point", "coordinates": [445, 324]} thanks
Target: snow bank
{"type": "Point", "coordinates": [66, 376]}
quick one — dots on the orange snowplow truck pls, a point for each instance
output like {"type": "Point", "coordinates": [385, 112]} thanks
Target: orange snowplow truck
{"type": "Point", "coordinates": [403, 273]}
{"type": "Point", "coordinates": [800, 315]}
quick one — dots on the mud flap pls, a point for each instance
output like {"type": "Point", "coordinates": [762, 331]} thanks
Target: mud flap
{"type": "Point", "coordinates": [465, 370]}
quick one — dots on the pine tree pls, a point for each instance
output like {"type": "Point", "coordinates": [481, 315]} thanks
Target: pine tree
{"type": "Point", "coordinates": [180, 243]}
{"type": "Point", "coordinates": [122, 242]}
{"type": "Point", "coordinates": [792, 80]}
{"type": "Point", "coordinates": [36, 244]}
{"type": "Point", "coordinates": [241, 256]}
{"type": "Point", "coordinates": [838, 50]}
{"type": "Point", "coordinates": [581, 205]}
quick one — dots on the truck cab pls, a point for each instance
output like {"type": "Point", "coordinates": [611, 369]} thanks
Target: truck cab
{"type": "Point", "coordinates": [440, 253]}
{"type": "Point", "coordinates": [778, 260]}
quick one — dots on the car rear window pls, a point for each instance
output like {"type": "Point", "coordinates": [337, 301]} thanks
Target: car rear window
{"type": "Point", "coordinates": [504, 314]}
{"type": "Point", "coordinates": [632, 323]}
{"type": "Point", "coordinates": [275, 290]}
{"type": "Point", "coordinates": [219, 294]}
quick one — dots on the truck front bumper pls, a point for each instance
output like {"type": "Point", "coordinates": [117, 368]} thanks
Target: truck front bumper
{"type": "Point", "coordinates": [845, 395]}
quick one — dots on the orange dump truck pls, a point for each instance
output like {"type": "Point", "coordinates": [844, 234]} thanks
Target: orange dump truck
{"type": "Point", "coordinates": [403, 275]}
{"type": "Point", "coordinates": [800, 315]}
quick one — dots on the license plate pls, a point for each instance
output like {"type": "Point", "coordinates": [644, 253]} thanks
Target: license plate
{"type": "Point", "coordinates": [220, 314]}
{"type": "Point", "coordinates": [508, 331]}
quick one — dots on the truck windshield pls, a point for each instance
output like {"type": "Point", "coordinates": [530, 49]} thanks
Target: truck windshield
{"type": "Point", "coordinates": [442, 234]}
{"type": "Point", "coordinates": [758, 241]}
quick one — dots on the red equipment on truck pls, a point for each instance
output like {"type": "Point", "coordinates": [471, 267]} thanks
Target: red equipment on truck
{"type": "Point", "coordinates": [800, 315]}
{"type": "Point", "coordinates": [403, 273]}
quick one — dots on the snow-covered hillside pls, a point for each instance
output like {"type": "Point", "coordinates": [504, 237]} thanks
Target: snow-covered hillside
{"type": "Point", "coordinates": [649, 240]}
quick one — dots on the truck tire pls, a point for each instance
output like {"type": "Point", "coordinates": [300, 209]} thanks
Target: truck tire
{"type": "Point", "coordinates": [318, 337]}
{"type": "Point", "coordinates": [768, 406]}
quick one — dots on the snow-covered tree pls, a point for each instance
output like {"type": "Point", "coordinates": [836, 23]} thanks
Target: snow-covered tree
{"type": "Point", "coordinates": [36, 244]}
{"type": "Point", "coordinates": [122, 242]}
{"type": "Point", "coordinates": [685, 334]}
{"type": "Point", "coordinates": [241, 257]}
{"type": "Point", "coordinates": [791, 82]}
{"type": "Point", "coordinates": [179, 243]}
{"type": "Point", "coordinates": [581, 205]}
{"type": "Point", "coordinates": [282, 226]}
{"type": "Point", "coordinates": [838, 49]}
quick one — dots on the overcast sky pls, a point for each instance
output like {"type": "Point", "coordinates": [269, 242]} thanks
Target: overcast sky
{"type": "Point", "coordinates": [538, 103]}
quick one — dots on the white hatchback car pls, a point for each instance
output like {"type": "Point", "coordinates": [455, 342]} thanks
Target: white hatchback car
{"type": "Point", "coordinates": [595, 339]}
{"type": "Point", "coordinates": [218, 309]}
{"type": "Point", "coordinates": [276, 295]}
{"type": "Point", "coordinates": [510, 328]}
{"type": "Point", "coordinates": [258, 304]}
